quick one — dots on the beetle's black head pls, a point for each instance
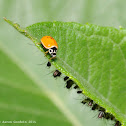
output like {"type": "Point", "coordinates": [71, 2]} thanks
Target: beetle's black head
{"type": "Point", "coordinates": [52, 51]}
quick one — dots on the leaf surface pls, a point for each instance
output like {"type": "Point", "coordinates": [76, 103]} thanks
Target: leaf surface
{"type": "Point", "coordinates": [22, 102]}
{"type": "Point", "coordinates": [93, 56]}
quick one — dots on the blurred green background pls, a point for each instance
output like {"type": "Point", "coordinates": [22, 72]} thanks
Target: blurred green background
{"type": "Point", "coordinates": [28, 92]}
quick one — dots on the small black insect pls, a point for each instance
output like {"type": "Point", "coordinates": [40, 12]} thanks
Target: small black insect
{"type": "Point", "coordinates": [95, 106]}
{"type": "Point", "coordinates": [90, 103]}
{"type": "Point", "coordinates": [75, 87]}
{"type": "Point", "coordinates": [112, 117]}
{"type": "Point", "coordinates": [101, 109]}
{"type": "Point", "coordinates": [117, 123]}
{"type": "Point", "coordinates": [57, 73]}
{"type": "Point", "coordinates": [79, 92]}
{"type": "Point", "coordinates": [107, 115]}
{"type": "Point", "coordinates": [101, 114]}
{"type": "Point", "coordinates": [88, 100]}
{"type": "Point", "coordinates": [66, 78]}
{"type": "Point", "coordinates": [69, 84]}
{"type": "Point", "coordinates": [48, 64]}
{"type": "Point", "coordinates": [84, 102]}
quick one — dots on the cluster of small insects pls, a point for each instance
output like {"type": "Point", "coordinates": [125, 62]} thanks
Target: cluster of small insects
{"type": "Point", "coordinates": [70, 83]}
{"type": "Point", "coordinates": [88, 101]}
{"type": "Point", "coordinates": [51, 46]}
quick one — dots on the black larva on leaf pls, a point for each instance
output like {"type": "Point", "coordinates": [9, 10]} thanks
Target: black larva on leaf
{"type": "Point", "coordinates": [109, 116]}
{"type": "Point", "coordinates": [57, 73]}
{"type": "Point", "coordinates": [101, 114]}
{"type": "Point", "coordinates": [101, 109]}
{"type": "Point", "coordinates": [48, 64]}
{"type": "Point", "coordinates": [69, 84]}
{"type": "Point", "coordinates": [90, 103]}
{"type": "Point", "coordinates": [76, 86]}
{"type": "Point", "coordinates": [117, 123]}
{"type": "Point", "coordinates": [95, 106]}
{"type": "Point", "coordinates": [88, 100]}
{"type": "Point", "coordinates": [84, 102]}
{"type": "Point", "coordinates": [79, 92]}
{"type": "Point", "coordinates": [112, 117]}
{"type": "Point", "coordinates": [66, 78]}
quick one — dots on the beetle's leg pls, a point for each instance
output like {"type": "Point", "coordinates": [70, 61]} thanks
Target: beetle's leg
{"type": "Point", "coordinates": [39, 43]}
{"type": "Point", "coordinates": [52, 58]}
{"type": "Point", "coordinates": [46, 52]}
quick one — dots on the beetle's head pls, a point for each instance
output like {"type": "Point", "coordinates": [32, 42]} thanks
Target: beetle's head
{"type": "Point", "coordinates": [52, 51]}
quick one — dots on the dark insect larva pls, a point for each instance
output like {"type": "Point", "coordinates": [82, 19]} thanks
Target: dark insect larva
{"type": "Point", "coordinates": [117, 123]}
{"type": "Point", "coordinates": [57, 73]}
{"type": "Point", "coordinates": [79, 92]}
{"type": "Point", "coordinates": [95, 106]}
{"type": "Point", "coordinates": [112, 117]}
{"type": "Point", "coordinates": [75, 87]}
{"type": "Point", "coordinates": [88, 100]}
{"type": "Point", "coordinates": [69, 84]}
{"type": "Point", "coordinates": [66, 78]}
{"type": "Point", "coordinates": [90, 103]}
{"type": "Point", "coordinates": [101, 114]}
{"type": "Point", "coordinates": [48, 64]}
{"type": "Point", "coordinates": [107, 115]}
{"type": "Point", "coordinates": [101, 109]}
{"type": "Point", "coordinates": [84, 102]}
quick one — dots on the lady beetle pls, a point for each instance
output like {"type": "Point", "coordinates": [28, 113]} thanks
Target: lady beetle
{"type": "Point", "coordinates": [49, 43]}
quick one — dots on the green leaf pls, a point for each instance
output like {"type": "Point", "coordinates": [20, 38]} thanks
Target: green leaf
{"type": "Point", "coordinates": [93, 56]}
{"type": "Point", "coordinates": [21, 99]}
